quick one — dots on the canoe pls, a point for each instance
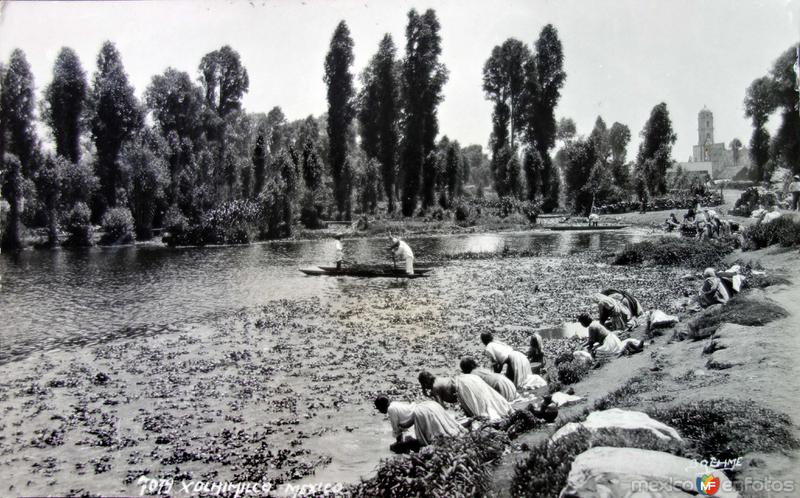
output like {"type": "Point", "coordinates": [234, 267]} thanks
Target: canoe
{"type": "Point", "coordinates": [373, 268]}
{"type": "Point", "coordinates": [366, 272]}
{"type": "Point", "coordinates": [564, 228]}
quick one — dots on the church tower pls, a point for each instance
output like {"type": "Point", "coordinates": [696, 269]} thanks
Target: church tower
{"type": "Point", "coordinates": [705, 127]}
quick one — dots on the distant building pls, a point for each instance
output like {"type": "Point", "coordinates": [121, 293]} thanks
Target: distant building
{"type": "Point", "coordinates": [711, 157]}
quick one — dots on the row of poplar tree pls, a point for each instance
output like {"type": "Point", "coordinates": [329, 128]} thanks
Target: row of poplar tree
{"type": "Point", "coordinates": [188, 147]}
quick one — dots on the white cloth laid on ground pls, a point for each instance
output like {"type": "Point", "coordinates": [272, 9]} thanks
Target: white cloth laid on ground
{"type": "Point", "coordinates": [498, 382]}
{"type": "Point", "coordinates": [772, 215]}
{"type": "Point", "coordinates": [582, 356]}
{"type": "Point", "coordinates": [429, 419]}
{"type": "Point", "coordinates": [616, 418]}
{"type": "Point", "coordinates": [477, 399]}
{"type": "Point", "coordinates": [562, 399]}
{"type": "Point", "coordinates": [403, 251]}
{"type": "Point", "coordinates": [533, 381]}
{"type": "Point", "coordinates": [603, 471]}
{"type": "Point", "coordinates": [659, 319]}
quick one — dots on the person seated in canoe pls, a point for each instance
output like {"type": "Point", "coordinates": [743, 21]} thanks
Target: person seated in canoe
{"type": "Point", "coordinates": [429, 419]}
{"type": "Point", "coordinates": [339, 251]}
{"type": "Point", "coordinates": [496, 381]}
{"type": "Point", "coordinates": [614, 314]}
{"type": "Point", "coordinates": [474, 395]}
{"type": "Point", "coordinates": [536, 353]}
{"type": "Point", "coordinates": [401, 250]}
{"type": "Point", "coordinates": [603, 341]}
{"type": "Point", "coordinates": [518, 368]}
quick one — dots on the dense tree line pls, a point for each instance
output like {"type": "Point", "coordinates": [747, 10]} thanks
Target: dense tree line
{"type": "Point", "coordinates": [777, 92]}
{"type": "Point", "coordinates": [189, 158]}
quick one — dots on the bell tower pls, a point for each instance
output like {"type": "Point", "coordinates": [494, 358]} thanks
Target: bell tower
{"type": "Point", "coordinates": [705, 127]}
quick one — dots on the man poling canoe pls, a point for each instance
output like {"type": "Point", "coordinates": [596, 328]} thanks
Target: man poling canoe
{"type": "Point", "coordinates": [401, 250]}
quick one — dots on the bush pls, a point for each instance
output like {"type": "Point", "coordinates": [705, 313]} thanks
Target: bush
{"type": "Point", "coordinates": [672, 251]}
{"type": "Point", "coordinates": [741, 310]}
{"type": "Point", "coordinates": [462, 212]}
{"type": "Point", "coordinates": [79, 227]}
{"type": "Point", "coordinates": [544, 473]}
{"type": "Point", "coordinates": [726, 428]}
{"type": "Point", "coordinates": [118, 227]}
{"type": "Point", "coordinates": [309, 217]}
{"type": "Point", "coordinates": [751, 199]}
{"type": "Point", "coordinates": [231, 223]}
{"type": "Point", "coordinates": [784, 231]}
{"type": "Point", "coordinates": [570, 372]}
{"type": "Point", "coordinates": [449, 467]}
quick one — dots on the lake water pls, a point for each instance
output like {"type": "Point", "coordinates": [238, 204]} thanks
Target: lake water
{"type": "Point", "coordinates": [62, 298]}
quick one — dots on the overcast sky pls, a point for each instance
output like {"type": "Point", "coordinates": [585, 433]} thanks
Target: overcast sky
{"type": "Point", "coordinates": [621, 57]}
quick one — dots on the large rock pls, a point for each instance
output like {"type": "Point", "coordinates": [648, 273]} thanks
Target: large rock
{"type": "Point", "coordinates": [612, 472]}
{"type": "Point", "coordinates": [616, 418]}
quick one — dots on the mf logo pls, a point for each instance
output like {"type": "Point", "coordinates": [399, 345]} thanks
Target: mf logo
{"type": "Point", "coordinates": [707, 484]}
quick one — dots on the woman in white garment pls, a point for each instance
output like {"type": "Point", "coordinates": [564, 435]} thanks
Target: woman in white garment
{"type": "Point", "coordinates": [614, 313]}
{"type": "Point", "coordinates": [604, 342]}
{"type": "Point", "coordinates": [498, 382]}
{"type": "Point", "coordinates": [518, 368]}
{"type": "Point", "coordinates": [474, 395]}
{"type": "Point", "coordinates": [429, 419]}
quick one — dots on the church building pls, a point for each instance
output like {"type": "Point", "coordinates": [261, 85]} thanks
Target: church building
{"type": "Point", "coordinates": [713, 157]}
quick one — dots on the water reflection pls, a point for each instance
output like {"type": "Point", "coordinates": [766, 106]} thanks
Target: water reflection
{"type": "Point", "coordinates": [61, 297]}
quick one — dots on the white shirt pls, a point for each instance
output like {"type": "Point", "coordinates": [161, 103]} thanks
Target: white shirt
{"type": "Point", "coordinates": [498, 352]}
{"type": "Point", "coordinates": [403, 251]}
{"type": "Point", "coordinates": [401, 416]}
{"type": "Point", "coordinates": [772, 215]}
{"type": "Point", "coordinates": [339, 251]}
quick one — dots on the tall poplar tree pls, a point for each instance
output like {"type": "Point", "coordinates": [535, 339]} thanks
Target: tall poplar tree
{"type": "Point", "coordinates": [341, 112]}
{"type": "Point", "coordinates": [64, 104]}
{"type": "Point", "coordinates": [423, 79]}
{"type": "Point", "coordinates": [379, 113]}
{"type": "Point", "coordinates": [115, 116]}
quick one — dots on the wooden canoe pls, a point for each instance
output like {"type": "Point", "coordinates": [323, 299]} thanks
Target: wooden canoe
{"type": "Point", "coordinates": [365, 272]}
{"type": "Point", "coordinates": [564, 228]}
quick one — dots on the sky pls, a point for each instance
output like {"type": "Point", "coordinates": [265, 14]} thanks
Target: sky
{"type": "Point", "coordinates": [622, 57]}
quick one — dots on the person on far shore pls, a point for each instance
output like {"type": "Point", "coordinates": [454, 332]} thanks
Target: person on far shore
{"type": "Point", "coordinates": [475, 396]}
{"type": "Point", "coordinates": [339, 251]}
{"type": "Point", "coordinates": [518, 368]}
{"type": "Point", "coordinates": [401, 250]}
{"type": "Point", "coordinates": [594, 219]}
{"type": "Point", "coordinates": [429, 419]}
{"type": "Point", "coordinates": [794, 192]}
{"type": "Point", "coordinates": [496, 381]}
{"type": "Point", "coordinates": [672, 222]}
{"type": "Point", "coordinates": [603, 341]}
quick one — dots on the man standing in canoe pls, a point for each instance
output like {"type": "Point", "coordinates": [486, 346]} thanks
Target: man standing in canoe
{"type": "Point", "coordinates": [339, 251]}
{"type": "Point", "coordinates": [401, 250]}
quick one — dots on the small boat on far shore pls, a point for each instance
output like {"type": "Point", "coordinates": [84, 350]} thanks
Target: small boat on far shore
{"type": "Point", "coordinates": [564, 228]}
